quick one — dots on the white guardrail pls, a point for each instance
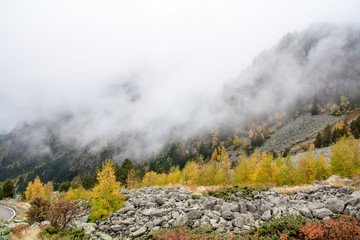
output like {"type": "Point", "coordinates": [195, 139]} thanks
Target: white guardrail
{"type": "Point", "coordinates": [13, 209]}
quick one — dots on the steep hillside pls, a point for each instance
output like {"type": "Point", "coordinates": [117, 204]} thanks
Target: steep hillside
{"type": "Point", "coordinates": [24, 155]}
{"type": "Point", "coordinates": [283, 99]}
{"type": "Point", "coordinates": [302, 129]}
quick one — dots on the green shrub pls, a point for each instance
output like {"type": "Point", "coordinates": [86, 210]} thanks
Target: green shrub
{"type": "Point", "coordinates": [195, 196]}
{"type": "Point", "coordinates": [182, 233]}
{"type": "Point", "coordinates": [286, 226]}
{"type": "Point", "coordinates": [64, 186]}
{"type": "Point", "coordinates": [63, 234]}
{"type": "Point", "coordinates": [226, 192]}
{"type": "Point", "coordinates": [6, 232]}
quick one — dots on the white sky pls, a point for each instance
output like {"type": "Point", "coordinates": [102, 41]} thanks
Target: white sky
{"type": "Point", "coordinates": [62, 55]}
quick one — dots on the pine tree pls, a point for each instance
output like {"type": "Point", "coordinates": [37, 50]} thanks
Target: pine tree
{"type": "Point", "coordinates": [64, 186]}
{"type": "Point", "coordinates": [314, 109]}
{"type": "Point", "coordinates": [88, 181]}
{"type": "Point", "coordinates": [106, 197]}
{"type": "Point", "coordinates": [8, 189]}
{"type": "Point", "coordinates": [124, 170]}
{"type": "Point", "coordinates": [76, 182]}
{"type": "Point", "coordinates": [319, 141]}
{"type": "Point", "coordinates": [326, 138]}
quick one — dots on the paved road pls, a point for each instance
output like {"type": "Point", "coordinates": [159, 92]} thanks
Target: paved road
{"type": "Point", "coordinates": [5, 213]}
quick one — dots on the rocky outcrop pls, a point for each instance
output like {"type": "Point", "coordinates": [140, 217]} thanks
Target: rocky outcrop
{"type": "Point", "coordinates": [150, 209]}
{"type": "Point", "coordinates": [299, 130]}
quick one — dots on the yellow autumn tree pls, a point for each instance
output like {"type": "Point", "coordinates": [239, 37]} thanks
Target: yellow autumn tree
{"type": "Point", "coordinates": [246, 170]}
{"type": "Point", "coordinates": [49, 188]}
{"type": "Point", "coordinates": [223, 169]}
{"type": "Point", "coordinates": [267, 170]}
{"type": "Point", "coordinates": [286, 171]}
{"type": "Point", "coordinates": [174, 175]}
{"type": "Point", "coordinates": [208, 172]}
{"type": "Point", "coordinates": [322, 169]}
{"type": "Point", "coordinates": [149, 179]}
{"type": "Point", "coordinates": [254, 161]}
{"type": "Point", "coordinates": [37, 189]}
{"type": "Point", "coordinates": [223, 154]}
{"type": "Point", "coordinates": [106, 196]}
{"type": "Point", "coordinates": [245, 143]}
{"type": "Point", "coordinates": [132, 180]}
{"type": "Point", "coordinates": [29, 191]}
{"type": "Point", "coordinates": [214, 155]}
{"type": "Point", "coordinates": [161, 179]}
{"type": "Point", "coordinates": [191, 173]}
{"type": "Point", "coordinates": [306, 169]}
{"type": "Point", "coordinates": [251, 134]}
{"type": "Point", "coordinates": [345, 157]}
{"type": "Point", "coordinates": [77, 194]}
{"type": "Point", "coordinates": [236, 142]}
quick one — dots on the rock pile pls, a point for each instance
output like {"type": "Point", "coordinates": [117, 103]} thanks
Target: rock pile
{"type": "Point", "coordinates": [150, 209]}
{"type": "Point", "coordinates": [298, 131]}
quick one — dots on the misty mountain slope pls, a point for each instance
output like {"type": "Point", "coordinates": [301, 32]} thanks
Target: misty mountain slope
{"type": "Point", "coordinates": [297, 131]}
{"type": "Point", "coordinates": [317, 65]}
{"type": "Point", "coordinates": [308, 71]}
{"type": "Point", "coordinates": [25, 154]}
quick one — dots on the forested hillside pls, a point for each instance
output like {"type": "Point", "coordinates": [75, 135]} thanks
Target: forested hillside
{"type": "Point", "coordinates": [311, 73]}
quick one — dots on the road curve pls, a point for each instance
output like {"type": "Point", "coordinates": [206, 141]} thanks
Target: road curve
{"type": "Point", "coordinates": [6, 213]}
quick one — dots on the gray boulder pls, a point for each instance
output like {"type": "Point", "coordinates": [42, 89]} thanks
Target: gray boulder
{"type": "Point", "coordinates": [266, 216]}
{"type": "Point", "coordinates": [238, 222]}
{"type": "Point", "coordinates": [322, 213]}
{"type": "Point", "coordinates": [335, 205]}
{"type": "Point", "coordinates": [141, 231]}
{"type": "Point", "coordinates": [195, 214]}
{"type": "Point", "coordinates": [228, 215]}
{"type": "Point", "coordinates": [306, 212]}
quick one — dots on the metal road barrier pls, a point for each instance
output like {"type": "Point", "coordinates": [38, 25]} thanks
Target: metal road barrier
{"type": "Point", "coordinates": [12, 207]}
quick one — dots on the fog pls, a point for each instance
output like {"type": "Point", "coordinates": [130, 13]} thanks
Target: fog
{"type": "Point", "coordinates": [138, 71]}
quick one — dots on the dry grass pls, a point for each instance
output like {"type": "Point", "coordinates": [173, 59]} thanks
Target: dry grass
{"type": "Point", "coordinates": [336, 182]}
{"type": "Point", "coordinates": [194, 188]}
{"type": "Point", "coordinates": [355, 183]}
{"type": "Point", "coordinates": [28, 234]}
{"type": "Point", "coordinates": [23, 207]}
{"type": "Point", "coordinates": [288, 190]}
